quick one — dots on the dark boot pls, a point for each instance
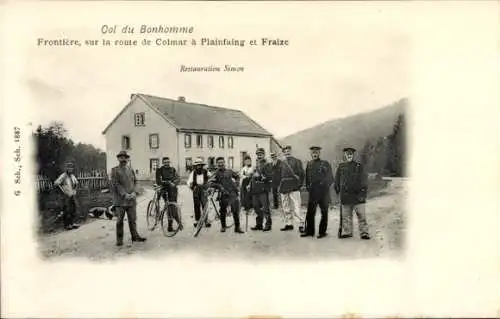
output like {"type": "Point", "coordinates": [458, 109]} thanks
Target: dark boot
{"type": "Point", "coordinates": [257, 227]}
{"type": "Point", "coordinates": [306, 234]}
{"type": "Point", "coordinates": [322, 235]}
{"type": "Point", "coordinates": [287, 228]}
{"type": "Point", "coordinates": [139, 239]}
{"type": "Point", "coordinates": [365, 236]}
{"type": "Point", "coordinates": [238, 230]}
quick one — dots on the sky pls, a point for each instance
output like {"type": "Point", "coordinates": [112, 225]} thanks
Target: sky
{"type": "Point", "coordinates": [341, 60]}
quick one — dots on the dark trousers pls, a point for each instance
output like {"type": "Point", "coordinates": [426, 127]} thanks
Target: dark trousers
{"type": "Point", "coordinates": [276, 199]}
{"type": "Point", "coordinates": [322, 200]}
{"type": "Point", "coordinates": [69, 210]}
{"type": "Point", "coordinates": [131, 217]}
{"type": "Point", "coordinates": [200, 201]}
{"type": "Point", "coordinates": [171, 191]}
{"type": "Point", "coordinates": [261, 206]}
{"type": "Point", "coordinates": [232, 201]}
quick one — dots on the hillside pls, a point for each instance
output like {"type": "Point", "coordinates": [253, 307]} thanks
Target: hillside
{"type": "Point", "coordinates": [354, 130]}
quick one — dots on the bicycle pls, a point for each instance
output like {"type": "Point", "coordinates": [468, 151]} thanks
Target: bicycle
{"type": "Point", "coordinates": [155, 213]}
{"type": "Point", "coordinates": [210, 212]}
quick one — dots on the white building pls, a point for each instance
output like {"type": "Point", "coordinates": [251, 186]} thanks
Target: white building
{"type": "Point", "coordinates": [151, 127]}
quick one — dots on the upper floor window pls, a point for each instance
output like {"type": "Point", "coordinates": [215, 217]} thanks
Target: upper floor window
{"type": "Point", "coordinates": [140, 119]}
{"type": "Point", "coordinates": [154, 141]}
{"type": "Point", "coordinates": [187, 140]}
{"type": "Point", "coordinates": [210, 141]}
{"type": "Point", "coordinates": [125, 142]}
{"type": "Point", "coordinates": [199, 141]}
{"type": "Point", "coordinates": [221, 141]}
{"type": "Point", "coordinates": [230, 142]}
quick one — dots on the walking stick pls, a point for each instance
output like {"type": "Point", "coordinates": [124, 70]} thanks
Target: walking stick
{"type": "Point", "coordinates": [339, 235]}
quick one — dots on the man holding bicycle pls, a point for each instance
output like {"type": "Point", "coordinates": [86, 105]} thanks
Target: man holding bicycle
{"type": "Point", "coordinates": [167, 177]}
{"type": "Point", "coordinates": [198, 183]}
{"type": "Point", "coordinates": [227, 181]}
{"type": "Point", "coordinates": [260, 185]}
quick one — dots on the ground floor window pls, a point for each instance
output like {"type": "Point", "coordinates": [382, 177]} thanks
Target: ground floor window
{"type": "Point", "coordinates": [154, 163]}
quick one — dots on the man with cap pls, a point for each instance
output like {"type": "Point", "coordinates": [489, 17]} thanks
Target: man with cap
{"type": "Point", "coordinates": [124, 189]}
{"type": "Point", "coordinates": [227, 182]}
{"type": "Point", "coordinates": [291, 180]}
{"type": "Point", "coordinates": [319, 178]}
{"type": "Point", "coordinates": [167, 177]}
{"type": "Point", "coordinates": [198, 183]}
{"type": "Point", "coordinates": [276, 166]}
{"type": "Point", "coordinates": [67, 183]}
{"type": "Point", "coordinates": [260, 185]}
{"type": "Point", "coordinates": [351, 186]}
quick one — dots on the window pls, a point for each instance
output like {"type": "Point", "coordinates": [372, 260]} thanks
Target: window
{"type": "Point", "coordinates": [211, 162]}
{"type": "Point", "coordinates": [199, 141]}
{"type": "Point", "coordinates": [189, 164]}
{"type": "Point", "coordinates": [221, 141]}
{"type": "Point", "coordinates": [154, 163]}
{"type": "Point", "coordinates": [154, 141]}
{"type": "Point", "coordinates": [125, 142]}
{"type": "Point", "coordinates": [187, 140]}
{"type": "Point", "coordinates": [139, 119]}
{"type": "Point", "coordinates": [230, 162]}
{"type": "Point", "coordinates": [230, 142]}
{"type": "Point", "coordinates": [210, 141]}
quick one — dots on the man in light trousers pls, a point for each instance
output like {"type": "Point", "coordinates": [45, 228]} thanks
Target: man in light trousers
{"type": "Point", "coordinates": [291, 180]}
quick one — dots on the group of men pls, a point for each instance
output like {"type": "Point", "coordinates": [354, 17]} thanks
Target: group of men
{"type": "Point", "coordinates": [251, 188]}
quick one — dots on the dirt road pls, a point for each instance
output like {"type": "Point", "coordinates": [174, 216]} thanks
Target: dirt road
{"type": "Point", "coordinates": [96, 240]}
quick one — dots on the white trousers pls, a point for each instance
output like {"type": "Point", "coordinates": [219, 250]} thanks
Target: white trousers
{"type": "Point", "coordinates": [292, 208]}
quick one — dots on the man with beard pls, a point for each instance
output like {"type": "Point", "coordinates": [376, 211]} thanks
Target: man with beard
{"type": "Point", "coordinates": [276, 166]}
{"type": "Point", "coordinates": [124, 183]}
{"type": "Point", "coordinates": [319, 178]}
{"type": "Point", "coordinates": [351, 186]}
{"type": "Point", "coordinates": [291, 179]}
{"type": "Point", "coordinates": [167, 177]}
{"type": "Point", "coordinates": [227, 182]}
{"type": "Point", "coordinates": [259, 187]}
{"type": "Point", "coordinates": [198, 183]}
{"type": "Point", "coordinates": [67, 183]}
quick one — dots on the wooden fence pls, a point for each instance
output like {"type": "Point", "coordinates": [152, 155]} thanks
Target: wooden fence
{"type": "Point", "coordinates": [87, 181]}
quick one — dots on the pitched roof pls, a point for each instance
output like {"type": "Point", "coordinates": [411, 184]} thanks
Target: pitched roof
{"type": "Point", "coordinates": [195, 117]}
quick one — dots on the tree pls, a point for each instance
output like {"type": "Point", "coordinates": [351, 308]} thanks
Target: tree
{"type": "Point", "coordinates": [54, 148]}
{"type": "Point", "coordinates": [396, 155]}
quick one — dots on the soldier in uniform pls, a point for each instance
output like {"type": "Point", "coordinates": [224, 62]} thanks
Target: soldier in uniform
{"type": "Point", "coordinates": [260, 185]}
{"type": "Point", "coordinates": [167, 177]}
{"type": "Point", "coordinates": [319, 178]}
{"type": "Point", "coordinates": [291, 180]}
{"type": "Point", "coordinates": [123, 183]}
{"type": "Point", "coordinates": [276, 165]}
{"type": "Point", "coordinates": [351, 186]}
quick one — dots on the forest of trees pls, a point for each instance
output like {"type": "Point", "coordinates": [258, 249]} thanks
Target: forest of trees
{"type": "Point", "coordinates": [54, 148]}
{"type": "Point", "coordinates": [387, 155]}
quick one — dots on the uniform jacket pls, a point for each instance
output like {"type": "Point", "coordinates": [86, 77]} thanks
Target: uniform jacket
{"type": "Point", "coordinates": [261, 184]}
{"type": "Point", "coordinates": [227, 180]}
{"type": "Point", "coordinates": [164, 174]}
{"type": "Point", "coordinates": [123, 182]}
{"type": "Point", "coordinates": [275, 183]}
{"type": "Point", "coordinates": [319, 178]}
{"type": "Point", "coordinates": [351, 183]}
{"type": "Point", "coordinates": [288, 183]}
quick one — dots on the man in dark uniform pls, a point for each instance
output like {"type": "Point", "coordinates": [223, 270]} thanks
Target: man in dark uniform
{"type": "Point", "coordinates": [276, 166]}
{"type": "Point", "coordinates": [260, 185]}
{"type": "Point", "coordinates": [227, 182]}
{"type": "Point", "coordinates": [319, 178]}
{"type": "Point", "coordinates": [167, 177]}
{"type": "Point", "coordinates": [351, 186]}
{"type": "Point", "coordinates": [123, 184]}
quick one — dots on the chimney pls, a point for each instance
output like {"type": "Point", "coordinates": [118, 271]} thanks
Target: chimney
{"type": "Point", "coordinates": [181, 99]}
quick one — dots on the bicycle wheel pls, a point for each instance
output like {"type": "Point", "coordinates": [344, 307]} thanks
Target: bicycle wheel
{"type": "Point", "coordinates": [171, 219]}
{"type": "Point", "coordinates": [151, 213]}
{"type": "Point", "coordinates": [201, 223]}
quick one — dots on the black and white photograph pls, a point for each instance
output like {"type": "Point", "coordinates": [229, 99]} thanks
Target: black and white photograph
{"type": "Point", "coordinates": [291, 157]}
{"type": "Point", "coordinates": [237, 159]}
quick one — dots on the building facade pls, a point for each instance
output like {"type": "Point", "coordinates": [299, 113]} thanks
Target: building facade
{"type": "Point", "coordinates": [150, 127]}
